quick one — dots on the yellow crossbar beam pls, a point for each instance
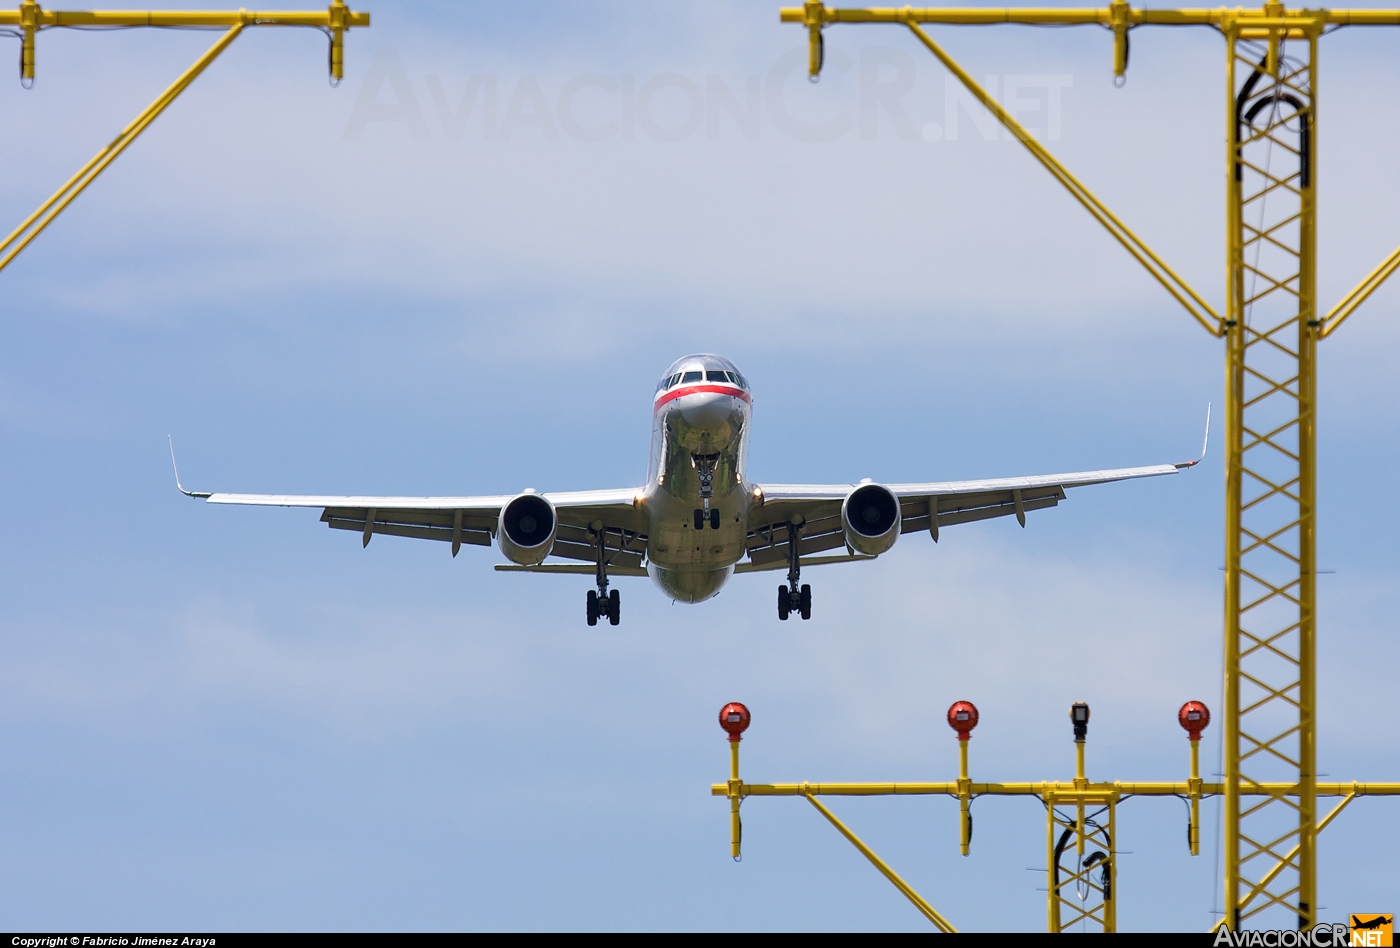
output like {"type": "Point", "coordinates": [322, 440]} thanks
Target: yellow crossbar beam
{"type": "Point", "coordinates": [337, 18]}
{"type": "Point", "coordinates": [45, 19]}
{"type": "Point", "coordinates": [1061, 791]}
{"type": "Point", "coordinates": [1173, 284]}
{"type": "Point", "coordinates": [1100, 16]}
{"type": "Point", "coordinates": [815, 16]}
{"type": "Point", "coordinates": [1271, 22]}
{"type": "Point", "coordinates": [20, 237]}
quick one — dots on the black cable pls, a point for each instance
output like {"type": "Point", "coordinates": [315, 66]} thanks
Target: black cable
{"type": "Point", "coordinates": [102, 27]}
{"type": "Point", "coordinates": [1059, 851]}
{"type": "Point", "coordinates": [331, 55]}
{"type": "Point", "coordinates": [19, 36]}
{"type": "Point", "coordinates": [1105, 875]}
{"type": "Point", "coordinates": [1188, 817]}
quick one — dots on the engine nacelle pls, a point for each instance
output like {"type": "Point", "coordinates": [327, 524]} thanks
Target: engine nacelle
{"type": "Point", "coordinates": [870, 515]}
{"type": "Point", "coordinates": [526, 529]}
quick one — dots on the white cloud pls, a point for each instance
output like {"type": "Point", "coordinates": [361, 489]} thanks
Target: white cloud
{"type": "Point", "coordinates": [391, 311]}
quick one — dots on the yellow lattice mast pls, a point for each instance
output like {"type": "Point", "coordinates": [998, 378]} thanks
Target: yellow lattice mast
{"type": "Point", "coordinates": [31, 18]}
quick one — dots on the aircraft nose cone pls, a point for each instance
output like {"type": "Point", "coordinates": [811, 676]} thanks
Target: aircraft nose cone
{"type": "Point", "coordinates": [706, 409]}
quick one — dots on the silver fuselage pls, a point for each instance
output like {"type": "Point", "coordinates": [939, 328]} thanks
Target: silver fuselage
{"type": "Point", "coordinates": [699, 434]}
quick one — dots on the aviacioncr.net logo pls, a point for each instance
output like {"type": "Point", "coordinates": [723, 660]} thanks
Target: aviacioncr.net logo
{"type": "Point", "coordinates": [1319, 936]}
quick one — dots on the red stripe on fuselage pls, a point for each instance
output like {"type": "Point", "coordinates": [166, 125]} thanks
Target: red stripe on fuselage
{"type": "Point", "coordinates": [681, 392]}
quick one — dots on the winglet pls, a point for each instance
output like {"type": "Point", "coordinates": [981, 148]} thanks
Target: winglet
{"type": "Point", "coordinates": [1205, 443]}
{"type": "Point", "coordinates": [187, 493]}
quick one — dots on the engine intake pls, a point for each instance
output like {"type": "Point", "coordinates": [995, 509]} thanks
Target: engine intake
{"type": "Point", "coordinates": [870, 515]}
{"type": "Point", "coordinates": [526, 530]}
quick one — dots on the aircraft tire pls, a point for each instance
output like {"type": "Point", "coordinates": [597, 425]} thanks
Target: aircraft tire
{"type": "Point", "coordinates": [806, 601]}
{"type": "Point", "coordinates": [614, 607]}
{"type": "Point", "coordinates": [592, 607]}
{"type": "Point", "coordinates": [784, 603]}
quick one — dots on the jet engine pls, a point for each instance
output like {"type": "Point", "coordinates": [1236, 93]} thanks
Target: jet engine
{"type": "Point", "coordinates": [526, 531]}
{"type": "Point", "coordinates": [870, 515]}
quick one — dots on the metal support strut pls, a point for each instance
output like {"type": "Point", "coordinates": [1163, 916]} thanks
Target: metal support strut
{"type": "Point", "coordinates": [794, 561]}
{"type": "Point", "coordinates": [31, 18]}
{"type": "Point", "coordinates": [602, 573]}
{"type": "Point", "coordinates": [601, 602]}
{"type": "Point", "coordinates": [792, 597]}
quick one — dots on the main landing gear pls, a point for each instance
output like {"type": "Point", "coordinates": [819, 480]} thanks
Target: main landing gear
{"type": "Point", "coordinates": [703, 517]}
{"type": "Point", "coordinates": [602, 602]}
{"type": "Point", "coordinates": [799, 602]}
{"type": "Point", "coordinates": [792, 598]}
{"type": "Point", "coordinates": [607, 604]}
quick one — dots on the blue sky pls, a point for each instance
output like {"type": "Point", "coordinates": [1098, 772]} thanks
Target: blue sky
{"type": "Point", "coordinates": [235, 719]}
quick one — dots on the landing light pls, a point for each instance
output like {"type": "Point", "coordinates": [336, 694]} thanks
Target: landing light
{"type": "Point", "coordinates": [962, 717]}
{"type": "Point", "coordinates": [1194, 717]}
{"type": "Point", "coordinates": [1079, 717]}
{"type": "Point", "coordinates": [734, 718]}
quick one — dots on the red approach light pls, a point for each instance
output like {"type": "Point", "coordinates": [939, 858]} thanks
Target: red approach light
{"type": "Point", "coordinates": [962, 717]}
{"type": "Point", "coordinates": [734, 718]}
{"type": "Point", "coordinates": [1194, 716]}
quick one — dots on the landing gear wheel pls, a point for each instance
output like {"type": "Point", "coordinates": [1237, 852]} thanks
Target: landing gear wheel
{"type": "Point", "coordinates": [805, 601]}
{"type": "Point", "coordinates": [592, 607]}
{"type": "Point", "coordinates": [614, 607]}
{"type": "Point", "coordinates": [784, 603]}
{"type": "Point", "coordinates": [714, 518]}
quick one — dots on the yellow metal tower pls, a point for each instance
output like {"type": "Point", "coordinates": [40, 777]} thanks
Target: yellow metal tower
{"type": "Point", "coordinates": [1271, 326]}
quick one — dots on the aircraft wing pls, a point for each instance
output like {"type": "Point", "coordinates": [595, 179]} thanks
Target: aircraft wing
{"type": "Point", "coordinates": [472, 520]}
{"type": "Point", "coordinates": [930, 506]}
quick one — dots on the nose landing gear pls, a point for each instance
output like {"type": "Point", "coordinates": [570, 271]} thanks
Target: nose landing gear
{"type": "Point", "coordinates": [704, 465]}
{"type": "Point", "coordinates": [792, 598]}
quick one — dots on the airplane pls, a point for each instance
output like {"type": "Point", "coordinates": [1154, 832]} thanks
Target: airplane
{"type": "Point", "coordinates": [699, 519]}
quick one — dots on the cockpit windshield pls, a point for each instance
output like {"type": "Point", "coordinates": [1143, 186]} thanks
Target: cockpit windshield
{"type": "Point", "coordinates": [702, 367]}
